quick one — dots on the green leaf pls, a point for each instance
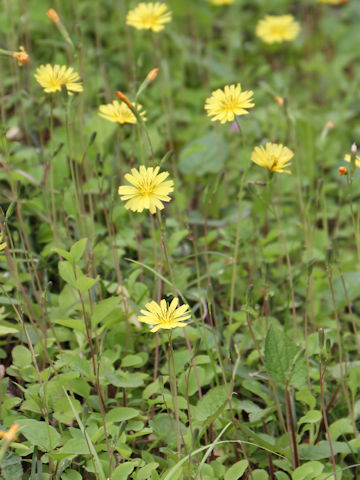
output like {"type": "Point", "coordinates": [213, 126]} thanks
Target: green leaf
{"type": "Point", "coordinates": [83, 284]}
{"type": "Point", "coordinates": [71, 474]}
{"type": "Point", "coordinates": [21, 356]}
{"type": "Point", "coordinates": [211, 405]}
{"type": "Point", "coordinates": [260, 474]}
{"type": "Point", "coordinates": [304, 395]}
{"type": "Point", "coordinates": [66, 272]}
{"type": "Point", "coordinates": [354, 380]}
{"type": "Point", "coordinates": [322, 450]}
{"type": "Point", "coordinates": [312, 416]}
{"type": "Point", "coordinates": [145, 472]}
{"type": "Point", "coordinates": [340, 427]}
{"type": "Point", "coordinates": [103, 309]}
{"type": "Point", "coordinates": [120, 414]}
{"type": "Point", "coordinates": [64, 253]}
{"type": "Point", "coordinates": [75, 446]}
{"type": "Point", "coordinates": [282, 359]}
{"type": "Point", "coordinates": [11, 468]}
{"type": "Point", "coordinates": [78, 249]}
{"type": "Point", "coordinates": [204, 155]}
{"type": "Point", "coordinates": [237, 470]}
{"type": "Point", "coordinates": [40, 434]}
{"type": "Point", "coordinates": [123, 471]}
{"type": "Point", "coordinates": [308, 471]}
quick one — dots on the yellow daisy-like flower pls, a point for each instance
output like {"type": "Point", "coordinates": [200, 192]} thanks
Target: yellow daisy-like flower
{"type": "Point", "coordinates": [164, 315]}
{"type": "Point", "coordinates": [275, 157]}
{"type": "Point", "coordinates": [222, 2]}
{"type": "Point", "coordinates": [277, 28]}
{"type": "Point", "coordinates": [149, 189]}
{"type": "Point", "coordinates": [333, 2]}
{"type": "Point", "coordinates": [21, 56]}
{"type": "Point", "coordinates": [52, 78]}
{"type": "Point", "coordinates": [347, 158]}
{"type": "Point", "coordinates": [223, 105]}
{"type": "Point", "coordinates": [149, 16]}
{"type": "Point", "coordinates": [120, 112]}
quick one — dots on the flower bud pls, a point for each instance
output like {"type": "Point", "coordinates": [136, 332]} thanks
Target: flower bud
{"type": "Point", "coordinates": [21, 56]}
{"type": "Point", "coordinates": [121, 96]}
{"type": "Point", "coordinates": [342, 171]}
{"type": "Point", "coordinates": [279, 101]}
{"type": "Point", "coordinates": [152, 75]}
{"type": "Point", "coordinates": [52, 14]}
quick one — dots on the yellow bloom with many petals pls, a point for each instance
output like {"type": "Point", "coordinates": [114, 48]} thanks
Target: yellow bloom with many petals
{"type": "Point", "coordinates": [347, 158]}
{"type": "Point", "coordinates": [120, 112]}
{"type": "Point", "coordinates": [223, 105]}
{"type": "Point", "coordinates": [333, 2]}
{"type": "Point", "coordinates": [148, 189]}
{"type": "Point", "coordinates": [164, 315]}
{"type": "Point", "coordinates": [275, 157]}
{"type": "Point", "coordinates": [149, 16]}
{"type": "Point", "coordinates": [277, 28]}
{"type": "Point", "coordinates": [222, 2]}
{"type": "Point", "coordinates": [53, 78]}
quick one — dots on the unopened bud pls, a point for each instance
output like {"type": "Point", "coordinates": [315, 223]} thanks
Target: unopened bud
{"type": "Point", "coordinates": [353, 149]}
{"type": "Point", "coordinates": [52, 14]}
{"type": "Point", "coordinates": [152, 75]}
{"type": "Point", "coordinates": [121, 96]}
{"type": "Point", "coordinates": [342, 171]}
{"type": "Point", "coordinates": [330, 125]}
{"type": "Point", "coordinates": [279, 101]}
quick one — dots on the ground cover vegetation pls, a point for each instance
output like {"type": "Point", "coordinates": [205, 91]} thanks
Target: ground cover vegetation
{"type": "Point", "coordinates": [179, 239]}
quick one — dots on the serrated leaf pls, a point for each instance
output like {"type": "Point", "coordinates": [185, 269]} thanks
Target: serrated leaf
{"type": "Point", "coordinates": [237, 470]}
{"type": "Point", "coordinates": [11, 468]}
{"type": "Point", "coordinates": [280, 359]}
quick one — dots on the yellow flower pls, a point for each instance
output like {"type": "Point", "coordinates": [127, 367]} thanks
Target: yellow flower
{"type": "Point", "coordinates": [222, 2]}
{"type": "Point", "coordinates": [333, 2]}
{"type": "Point", "coordinates": [10, 435]}
{"type": "Point", "coordinates": [52, 78]}
{"type": "Point", "coordinates": [149, 189]}
{"type": "Point", "coordinates": [223, 105]}
{"type": "Point", "coordinates": [347, 158]}
{"type": "Point", "coordinates": [275, 157]}
{"type": "Point", "coordinates": [277, 28]}
{"type": "Point", "coordinates": [120, 112]}
{"type": "Point", "coordinates": [149, 16]}
{"type": "Point", "coordinates": [164, 315]}
{"type": "Point", "coordinates": [21, 56]}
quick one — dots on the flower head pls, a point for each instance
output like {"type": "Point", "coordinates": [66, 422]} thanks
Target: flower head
{"type": "Point", "coordinates": [148, 189]}
{"type": "Point", "coordinates": [223, 105]}
{"type": "Point", "coordinates": [164, 315]}
{"type": "Point", "coordinates": [277, 28]}
{"type": "Point", "coordinates": [149, 16]}
{"type": "Point", "coordinates": [21, 56]}
{"type": "Point", "coordinates": [342, 171]}
{"type": "Point", "coordinates": [347, 158]}
{"type": "Point", "coordinates": [10, 435]}
{"type": "Point", "coordinates": [333, 2]}
{"type": "Point", "coordinates": [222, 2]}
{"type": "Point", "coordinates": [275, 157]}
{"type": "Point", "coordinates": [120, 112]}
{"type": "Point", "coordinates": [52, 78]}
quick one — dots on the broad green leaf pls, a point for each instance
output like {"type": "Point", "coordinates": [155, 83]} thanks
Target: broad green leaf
{"type": "Point", "coordinates": [354, 380]}
{"type": "Point", "coordinates": [83, 284]}
{"type": "Point", "coordinates": [66, 272]}
{"type": "Point", "coordinates": [260, 474]}
{"type": "Point", "coordinates": [119, 414]}
{"type": "Point", "coordinates": [237, 470]}
{"type": "Point", "coordinates": [308, 471]}
{"type": "Point", "coordinates": [73, 323]}
{"type": "Point", "coordinates": [103, 308]}
{"type": "Point", "coordinates": [39, 433]}
{"type": "Point", "coordinates": [341, 427]}
{"type": "Point", "coordinates": [304, 395]}
{"type": "Point", "coordinates": [211, 404]}
{"type": "Point", "coordinates": [21, 356]}
{"type": "Point", "coordinates": [123, 471]}
{"type": "Point", "coordinates": [64, 253]}
{"type": "Point", "coordinates": [78, 249]}
{"type": "Point", "coordinates": [312, 416]}
{"type": "Point", "coordinates": [75, 446]}
{"type": "Point", "coordinates": [11, 468]}
{"type": "Point", "coordinates": [322, 450]}
{"type": "Point", "coordinates": [71, 474]}
{"type": "Point", "coordinates": [281, 360]}
{"type": "Point", "coordinates": [145, 472]}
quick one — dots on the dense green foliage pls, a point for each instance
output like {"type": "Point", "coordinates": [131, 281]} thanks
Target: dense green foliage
{"type": "Point", "coordinates": [267, 369]}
